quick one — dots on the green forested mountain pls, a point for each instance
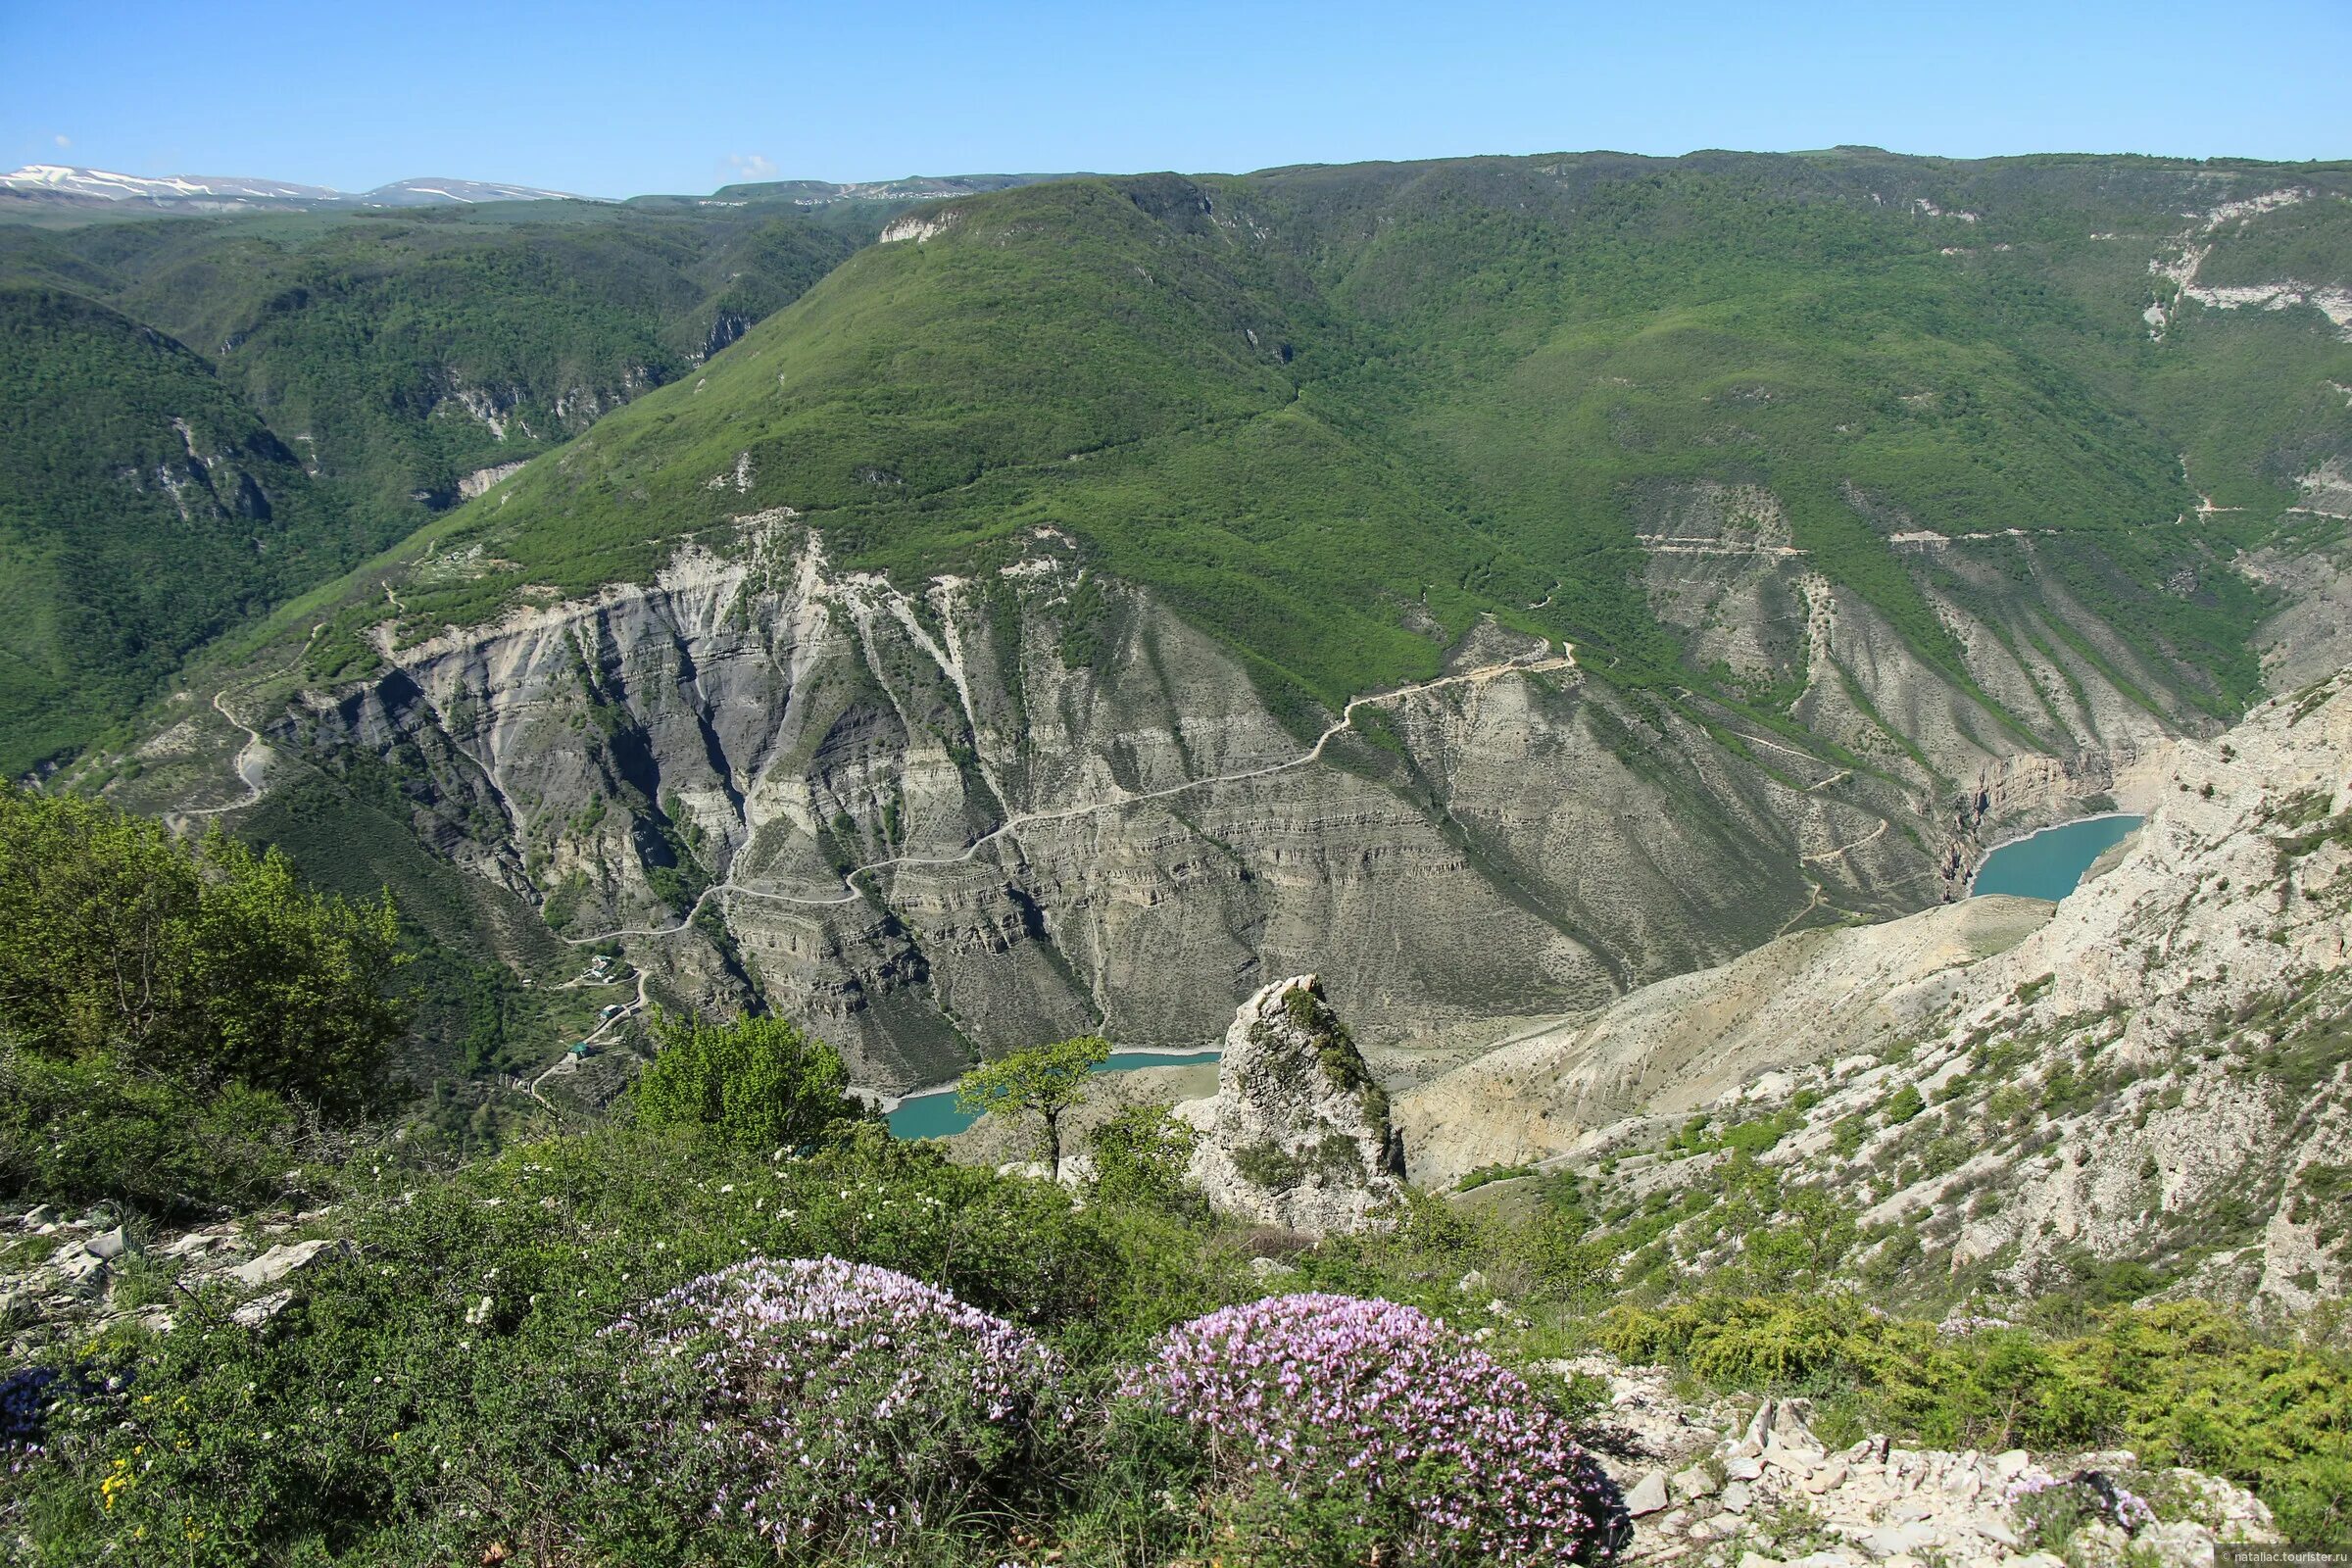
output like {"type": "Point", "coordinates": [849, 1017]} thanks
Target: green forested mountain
{"type": "Point", "coordinates": [1295, 402]}
{"type": "Point", "coordinates": [146, 509]}
{"type": "Point", "coordinates": [350, 369]}
{"type": "Point", "coordinates": [1310, 403]}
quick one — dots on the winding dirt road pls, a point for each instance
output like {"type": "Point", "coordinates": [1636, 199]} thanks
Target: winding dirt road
{"type": "Point", "coordinates": [253, 757]}
{"type": "Point", "coordinates": [1538, 665]}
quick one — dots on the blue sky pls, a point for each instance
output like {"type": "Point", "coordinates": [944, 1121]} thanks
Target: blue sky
{"type": "Point", "coordinates": [615, 100]}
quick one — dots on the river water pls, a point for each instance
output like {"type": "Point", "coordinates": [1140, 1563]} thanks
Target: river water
{"type": "Point", "coordinates": [2041, 865]}
{"type": "Point", "coordinates": [2049, 863]}
{"type": "Point", "coordinates": [934, 1115]}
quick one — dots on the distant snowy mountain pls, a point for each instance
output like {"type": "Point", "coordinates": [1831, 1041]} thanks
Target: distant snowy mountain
{"type": "Point", "coordinates": [111, 188]}
{"type": "Point", "coordinates": [65, 185]}
{"type": "Point", "coordinates": [442, 192]}
{"type": "Point", "coordinates": [914, 188]}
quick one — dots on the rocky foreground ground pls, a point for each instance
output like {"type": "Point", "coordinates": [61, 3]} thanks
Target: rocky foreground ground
{"type": "Point", "coordinates": [62, 1276]}
{"type": "Point", "coordinates": [1721, 1482]}
{"type": "Point", "coordinates": [1744, 1483]}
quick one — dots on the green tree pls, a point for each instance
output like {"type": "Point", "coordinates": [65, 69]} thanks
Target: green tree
{"type": "Point", "coordinates": [760, 1084]}
{"type": "Point", "coordinates": [208, 961]}
{"type": "Point", "coordinates": [1141, 1156]}
{"type": "Point", "coordinates": [169, 1008]}
{"type": "Point", "coordinates": [1042, 1081]}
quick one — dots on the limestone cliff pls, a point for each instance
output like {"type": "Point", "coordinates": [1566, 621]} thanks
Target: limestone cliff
{"type": "Point", "coordinates": [1064, 809]}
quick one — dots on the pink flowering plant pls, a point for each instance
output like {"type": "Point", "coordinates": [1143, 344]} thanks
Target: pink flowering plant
{"type": "Point", "coordinates": [841, 1402]}
{"type": "Point", "coordinates": [2051, 1510]}
{"type": "Point", "coordinates": [1333, 1426]}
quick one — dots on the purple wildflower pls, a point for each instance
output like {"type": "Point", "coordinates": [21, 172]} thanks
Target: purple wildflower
{"type": "Point", "coordinates": [843, 1399]}
{"type": "Point", "coordinates": [2037, 1496]}
{"type": "Point", "coordinates": [1323, 1401]}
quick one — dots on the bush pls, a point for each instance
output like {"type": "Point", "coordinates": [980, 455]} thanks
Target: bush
{"type": "Point", "coordinates": [2184, 1383]}
{"type": "Point", "coordinates": [447, 1386]}
{"type": "Point", "coordinates": [758, 1084]}
{"type": "Point", "coordinates": [208, 962]}
{"type": "Point", "coordinates": [845, 1402]}
{"type": "Point", "coordinates": [1141, 1156]}
{"type": "Point", "coordinates": [93, 1128]}
{"type": "Point", "coordinates": [170, 1005]}
{"type": "Point", "coordinates": [1342, 1430]}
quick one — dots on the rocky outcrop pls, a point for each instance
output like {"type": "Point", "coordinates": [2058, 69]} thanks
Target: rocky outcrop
{"type": "Point", "coordinates": [64, 1278]}
{"type": "Point", "coordinates": [481, 482]}
{"type": "Point", "coordinates": [1299, 1134]}
{"type": "Point", "coordinates": [2156, 1072]}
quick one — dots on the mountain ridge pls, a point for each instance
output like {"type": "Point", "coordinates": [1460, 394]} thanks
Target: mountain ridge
{"type": "Point", "coordinates": [73, 186]}
{"type": "Point", "coordinates": [1863, 492]}
{"type": "Point", "coordinates": [233, 193]}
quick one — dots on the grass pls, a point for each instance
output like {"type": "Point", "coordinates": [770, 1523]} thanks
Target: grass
{"type": "Point", "coordinates": [445, 1389]}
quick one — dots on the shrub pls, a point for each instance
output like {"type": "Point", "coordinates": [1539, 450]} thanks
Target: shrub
{"type": "Point", "coordinates": [846, 1402]}
{"type": "Point", "coordinates": [760, 1084]}
{"type": "Point", "coordinates": [1471, 1181]}
{"type": "Point", "coordinates": [2182, 1383]}
{"type": "Point", "coordinates": [2049, 1511]}
{"type": "Point", "coordinates": [1141, 1156]}
{"type": "Point", "coordinates": [206, 962]}
{"type": "Point", "coordinates": [171, 1009]}
{"type": "Point", "coordinates": [388, 1417]}
{"type": "Point", "coordinates": [1344, 1430]}
{"type": "Point", "coordinates": [1266, 1163]}
{"type": "Point", "coordinates": [94, 1128]}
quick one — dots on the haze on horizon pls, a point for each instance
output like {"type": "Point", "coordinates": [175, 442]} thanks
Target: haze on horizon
{"type": "Point", "coordinates": [615, 100]}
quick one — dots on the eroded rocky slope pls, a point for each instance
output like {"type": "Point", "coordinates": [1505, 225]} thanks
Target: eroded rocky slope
{"type": "Point", "coordinates": [2155, 1071]}
{"type": "Point", "coordinates": [1075, 810]}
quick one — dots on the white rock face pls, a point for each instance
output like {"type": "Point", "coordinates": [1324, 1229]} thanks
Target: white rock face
{"type": "Point", "coordinates": [918, 227]}
{"type": "Point", "coordinates": [1299, 1134]}
{"type": "Point", "coordinates": [1874, 1501]}
{"type": "Point", "coordinates": [481, 482]}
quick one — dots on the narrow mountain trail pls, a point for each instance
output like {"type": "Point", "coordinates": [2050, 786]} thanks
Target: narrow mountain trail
{"type": "Point", "coordinates": [1565, 660]}
{"type": "Point", "coordinates": [1872, 837]}
{"type": "Point", "coordinates": [1812, 903]}
{"type": "Point", "coordinates": [253, 757]}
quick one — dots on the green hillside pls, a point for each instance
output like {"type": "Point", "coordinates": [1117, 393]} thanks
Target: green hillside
{"type": "Point", "coordinates": [145, 509]}
{"type": "Point", "coordinates": [1332, 415]}
{"type": "Point", "coordinates": [358, 366]}
{"type": "Point", "coordinates": [1310, 403]}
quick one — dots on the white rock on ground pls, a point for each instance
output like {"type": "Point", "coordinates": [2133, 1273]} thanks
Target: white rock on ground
{"type": "Point", "coordinates": [1873, 1502]}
